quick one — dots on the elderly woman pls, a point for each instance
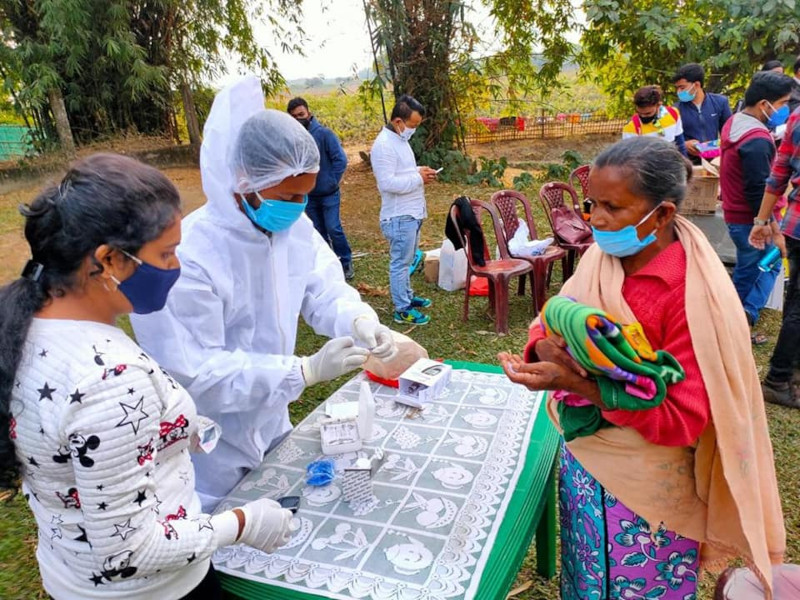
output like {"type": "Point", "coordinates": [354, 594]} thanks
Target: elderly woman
{"type": "Point", "coordinates": [648, 500]}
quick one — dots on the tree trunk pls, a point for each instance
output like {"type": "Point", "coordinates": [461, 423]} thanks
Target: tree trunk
{"type": "Point", "coordinates": [192, 124]}
{"type": "Point", "coordinates": [59, 111]}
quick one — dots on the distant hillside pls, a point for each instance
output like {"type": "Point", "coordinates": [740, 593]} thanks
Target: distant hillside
{"type": "Point", "coordinates": [323, 85]}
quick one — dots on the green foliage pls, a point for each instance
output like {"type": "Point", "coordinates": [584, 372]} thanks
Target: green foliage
{"type": "Point", "coordinates": [419, 39]}
{"type": "Point", "coordinates": [523, 180]}
{"type": "Point", "coordinates": [491, 172]}
{"type": "Point", "coordinates": [527, 26]}
{"type": "Point", "coordinates": [630, 43]}
{"type": "Point", "coordinates": [117, 62]}
{"type": "Point", "coordinates": [556, 171]}
{"type": "Point", "coordinates": [572, 159]}
{"type": "Point", "coordinates": [431, 47]}
{"type": "Point", "coordinates": [456, 166]}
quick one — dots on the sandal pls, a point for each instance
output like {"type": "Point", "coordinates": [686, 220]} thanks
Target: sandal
{"type": "Point", "coordinates": [758, 339]}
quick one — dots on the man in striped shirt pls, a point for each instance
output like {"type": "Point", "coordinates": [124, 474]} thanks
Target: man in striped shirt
{"type": "Point", "coordinates": [786, 169]}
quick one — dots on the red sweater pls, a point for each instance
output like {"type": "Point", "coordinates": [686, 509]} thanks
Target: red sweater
{"type": "Point", "coordinates": [657, 296]}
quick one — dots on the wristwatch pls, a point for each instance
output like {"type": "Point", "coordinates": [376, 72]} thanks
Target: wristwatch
{"type": "Point", "coordinates": [761, 222]}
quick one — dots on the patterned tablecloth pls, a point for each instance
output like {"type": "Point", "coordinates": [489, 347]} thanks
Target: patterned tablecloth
{"type": "Point", "coordinates": [440, 497]}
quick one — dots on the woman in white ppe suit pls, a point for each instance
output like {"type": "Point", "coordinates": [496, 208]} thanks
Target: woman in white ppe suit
{"type": "Point", "coordinates": [252, 263]}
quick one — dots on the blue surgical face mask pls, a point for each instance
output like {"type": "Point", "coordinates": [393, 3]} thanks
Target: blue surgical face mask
{"type": "Point", "coordinates": [686, 95]}
{"type": "Point", "coordinates": [148, 287]}
{"type": "Point", "coordinates": [778, 117]}
{"type": "Point", "coordinates": [274, 215]}
{"type": "Point", "coordinates": [624, 242]}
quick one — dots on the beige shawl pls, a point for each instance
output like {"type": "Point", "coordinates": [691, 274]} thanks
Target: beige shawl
{"type": "Point", "coordinates": [723, 493]}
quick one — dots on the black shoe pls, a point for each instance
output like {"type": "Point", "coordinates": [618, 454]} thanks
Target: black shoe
{"type": "Point", "coordinates": [779, 392]}
{"type": "Point", "coordinates": [349, 272]}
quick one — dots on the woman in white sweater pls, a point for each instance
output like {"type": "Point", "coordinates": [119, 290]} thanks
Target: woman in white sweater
{"type": "Point", "coordinates": [100, 434]}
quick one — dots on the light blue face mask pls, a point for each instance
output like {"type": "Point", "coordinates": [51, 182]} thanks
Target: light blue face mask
{"type": "Point", "coordinates": [624, 242]}
{"type": "Point", "coordinates": [274, 215]}
{"type": "Point", "coordinates": [686, 95]}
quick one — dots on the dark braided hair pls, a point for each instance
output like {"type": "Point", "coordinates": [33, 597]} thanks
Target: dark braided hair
{"type": "Point", "coordinates": [103, 199]}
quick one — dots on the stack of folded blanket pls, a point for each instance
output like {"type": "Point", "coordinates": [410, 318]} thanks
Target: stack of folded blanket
{"type": "Point", "coordinates": [630, 374]}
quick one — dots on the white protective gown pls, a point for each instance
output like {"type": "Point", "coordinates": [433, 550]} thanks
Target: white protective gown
{"type": "Point", "coordinates": [229, 328]}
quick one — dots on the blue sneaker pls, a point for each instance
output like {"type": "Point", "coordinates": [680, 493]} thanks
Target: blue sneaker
{"type": "Point", "coordinates": [417, 263]}
{"type": "Point", "coordinates": [412, 317]}
{"type": "Point", "coordinates": [419, 302]}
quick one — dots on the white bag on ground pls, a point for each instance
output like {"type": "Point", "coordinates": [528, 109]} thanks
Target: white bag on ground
{"type": "Point", "coordinates": [452, 267]}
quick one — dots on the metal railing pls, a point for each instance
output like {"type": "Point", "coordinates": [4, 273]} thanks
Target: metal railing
{"type": "Point", "coordinates": [15, 142]}
{"type": "Point", "coordinates": [545, 125]}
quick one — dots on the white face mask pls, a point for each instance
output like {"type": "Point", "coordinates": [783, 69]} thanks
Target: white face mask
{"type": "Point", "coordinates": [407, 133]}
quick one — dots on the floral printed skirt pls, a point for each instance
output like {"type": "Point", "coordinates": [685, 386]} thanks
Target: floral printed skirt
{"type": "Point", "coordinates": [610, 552]}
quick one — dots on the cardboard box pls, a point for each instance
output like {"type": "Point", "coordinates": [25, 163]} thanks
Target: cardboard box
{"type": "Point", "coordinates": [422, 382]}
{"type": "Point", "coordinates": [703, 193]}
{"type": "Point", "coordinates": [431, 266]}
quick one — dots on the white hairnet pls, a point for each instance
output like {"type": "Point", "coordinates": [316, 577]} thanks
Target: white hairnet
{"type": "Point", "coordinates": [270, 147]}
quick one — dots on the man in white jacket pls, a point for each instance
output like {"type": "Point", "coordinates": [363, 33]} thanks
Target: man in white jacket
{"type": "Point", "coordinates": [401, 183]}
{"type": "Point", "coordinates": [252, 263]}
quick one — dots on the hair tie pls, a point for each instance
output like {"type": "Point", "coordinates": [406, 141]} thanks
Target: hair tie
{"type": "Point", "coordinates": [32, 270]}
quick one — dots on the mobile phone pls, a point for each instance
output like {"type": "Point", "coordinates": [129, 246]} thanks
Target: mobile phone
{"type": "Point", "coordinates": [290, 502]}
{"type": "Point", "coordinates": [439, 170]}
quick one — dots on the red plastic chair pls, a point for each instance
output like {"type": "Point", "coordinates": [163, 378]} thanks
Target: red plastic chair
{"type": "Point", "coordinates": [579, 180]}
{"type": "Point", "coordinates": [505, 201]}
{"type": "Point", "coordinates": [498, 272]}
{"type": "Point", "coordinates": [554, 196]}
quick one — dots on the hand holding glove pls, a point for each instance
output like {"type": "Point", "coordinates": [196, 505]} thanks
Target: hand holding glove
{"type": "Point", "coordinates": [266, 527]}
{"type": "Point", "coordinates": [375, 336]}
{"type": "Point", "coordinates": [336, 357]}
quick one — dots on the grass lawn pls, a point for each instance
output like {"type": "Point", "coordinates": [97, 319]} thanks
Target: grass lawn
{"type": "Point", "coordinates": [447, 336]}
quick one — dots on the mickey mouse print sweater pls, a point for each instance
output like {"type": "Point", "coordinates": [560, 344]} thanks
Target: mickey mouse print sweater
{"type": "Point", "coordinates": [103, 437]}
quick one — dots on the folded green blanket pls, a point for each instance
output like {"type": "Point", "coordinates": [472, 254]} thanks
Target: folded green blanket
{"type": "Point", "coordinates": [630, 374]}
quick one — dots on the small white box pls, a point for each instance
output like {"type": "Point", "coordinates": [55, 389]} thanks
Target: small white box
{"type": "Point", "coordinates": [422, 382]}
{"type": "Point", "coordinates": [339, 436]}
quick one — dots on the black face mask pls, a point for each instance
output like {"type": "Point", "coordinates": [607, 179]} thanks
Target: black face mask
{"type": "Point", "coordinates": [305, 122]}
{"type": "Point", "coordinates": [649, 119]}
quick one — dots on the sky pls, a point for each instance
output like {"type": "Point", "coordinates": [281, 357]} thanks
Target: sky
{"type": "Point", "coordinates": [338, 40]}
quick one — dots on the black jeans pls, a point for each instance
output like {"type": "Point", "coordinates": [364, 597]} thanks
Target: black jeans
{"type": "Point", "coordinates": [787, 347]}
{"type": "Point", "coordinates": [208, 589]}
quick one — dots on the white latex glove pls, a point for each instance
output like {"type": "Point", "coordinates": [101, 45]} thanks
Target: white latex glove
{"type": "Point", "coordinates": [267, 526]}
{"type": "Point", "coordinates": [375, 336]}
{"type": "Point", "coordinates": [336, 357]}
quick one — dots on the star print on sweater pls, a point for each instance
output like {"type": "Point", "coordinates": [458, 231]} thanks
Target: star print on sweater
{"type": "Point", "coordinates": [133, 415]}
{"type": "Point", "coordinates": [46, 392]}
{"type": "Point", "coordinates": [123, 530]}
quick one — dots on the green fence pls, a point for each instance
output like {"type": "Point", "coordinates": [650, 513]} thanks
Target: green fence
{"type": "Point", "coordinates": [14, 142]}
